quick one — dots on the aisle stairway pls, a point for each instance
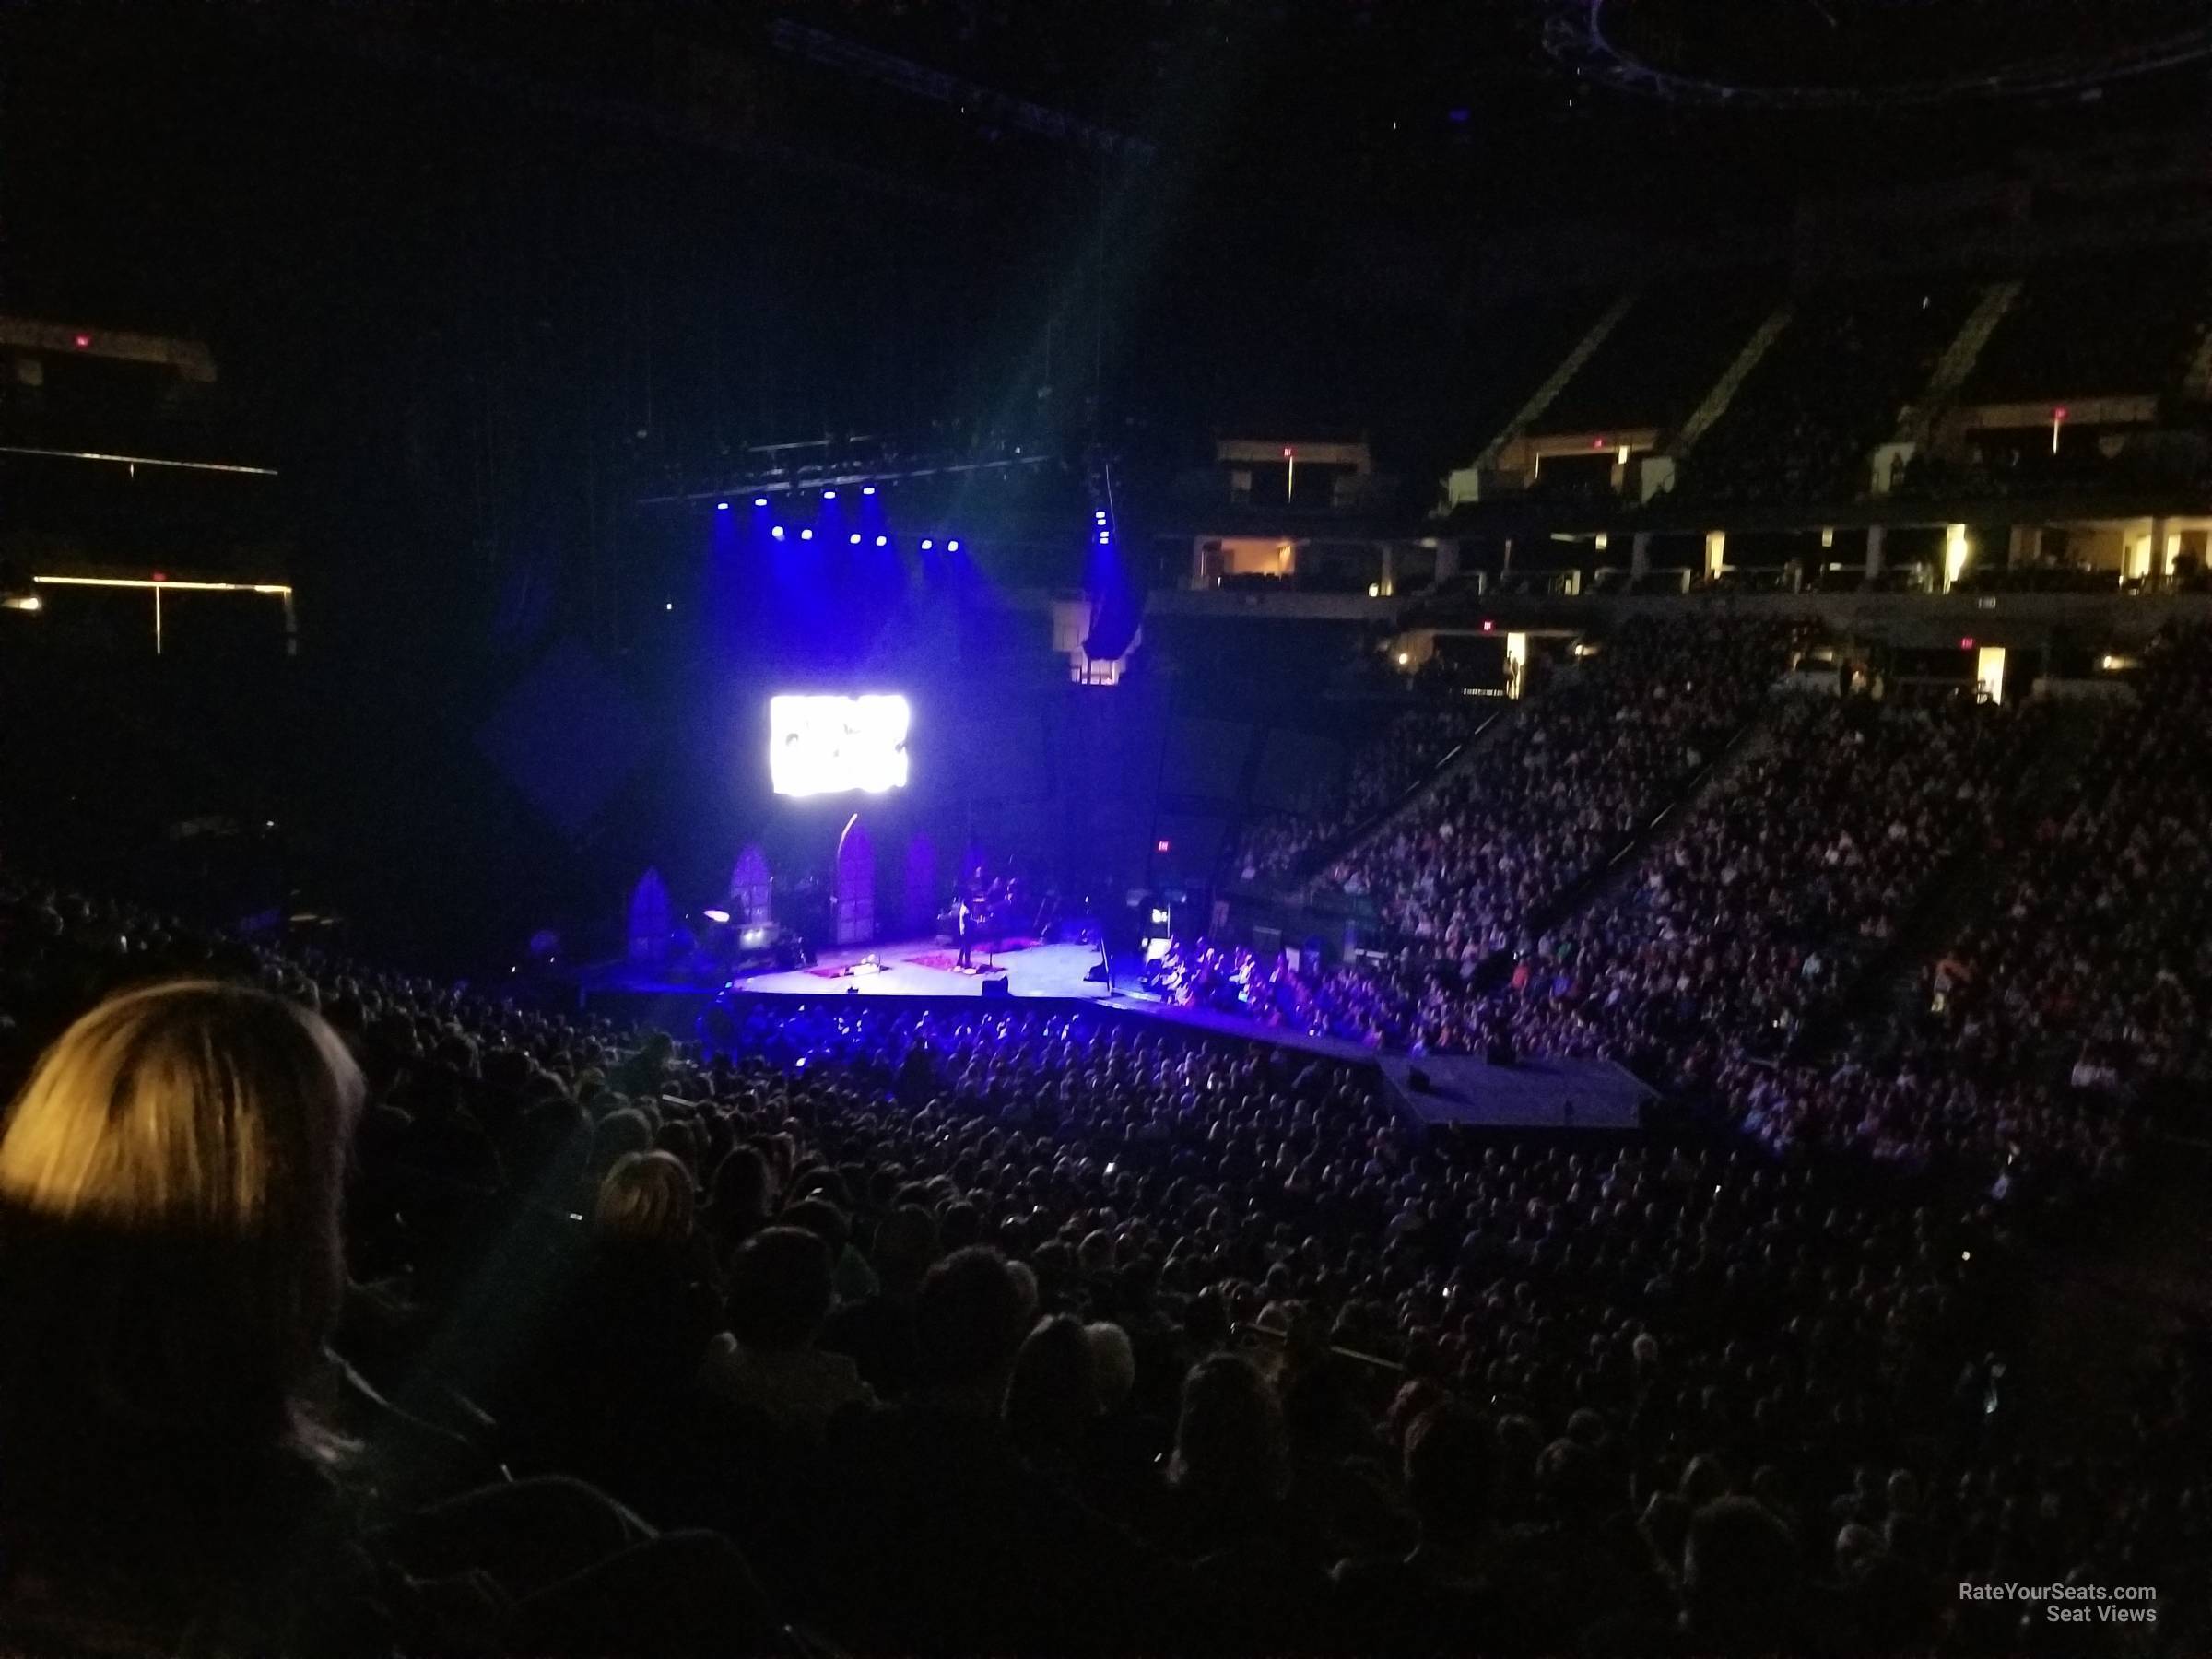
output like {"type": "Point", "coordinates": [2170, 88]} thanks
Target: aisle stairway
{"type": "Point", "coordinates": [1545, 395]}
{"type": "Point", "coordinates": [1957, 363]}
{"type": "Point", "coordinates": [1751, 740]}
{"type": "Point", "coordinates": [1886, 1002]}
{"type": "Point", "coordinates": [1708, 414]}
{"type": "Point", "coordinates": [1313, 862]}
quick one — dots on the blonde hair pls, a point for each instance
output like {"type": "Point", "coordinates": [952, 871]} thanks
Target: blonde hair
{"type": "Point", "coordinates": [645, 1198]}
{"type": "Point", "coordinates": [176, 1163]}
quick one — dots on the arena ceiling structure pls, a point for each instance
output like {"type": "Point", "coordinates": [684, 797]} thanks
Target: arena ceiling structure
{"type": "Point", "coordinates": [1871, 54]}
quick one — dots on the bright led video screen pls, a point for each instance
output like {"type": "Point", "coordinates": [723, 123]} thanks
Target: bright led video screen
{"type": "Point", "coordinates": [837, 745]}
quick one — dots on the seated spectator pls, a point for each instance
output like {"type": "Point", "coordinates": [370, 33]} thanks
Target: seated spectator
{"type": "Point", "coordinates": [1259, 1562]}
{"type": "Point", "coordinates": [1454, 1591]}
{"type": "Point", "coordinates": [741, 1200]}
{"type": "Point", "coordinates": [949, 1541]}
{"type": "Point", "coordinates": [1740, 1584]}
{"type": "Point", "coordinates": [170, 1269]}
{"type": "Point", "coordinates": [1052, 1398]}
{"type": "Point", "coordinates": [620, 1339]}
{"type": "Point", "coordinates": [779, 1294]}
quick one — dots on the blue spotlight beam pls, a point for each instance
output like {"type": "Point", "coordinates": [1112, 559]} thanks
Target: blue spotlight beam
{"type": "Point", "coordinates": [1116, 597]}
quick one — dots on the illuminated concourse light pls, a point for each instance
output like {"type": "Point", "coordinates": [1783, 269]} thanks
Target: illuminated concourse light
{"type": "Point", "coordinates": [83, 342]}
{"type": "Point", "coordinates": [127, 460]}
{"type": "Point", "coordinates": [160, 578]}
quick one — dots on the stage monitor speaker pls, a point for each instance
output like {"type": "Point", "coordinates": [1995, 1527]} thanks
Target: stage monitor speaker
{"type": "Point", "coordinates": [996, 987]}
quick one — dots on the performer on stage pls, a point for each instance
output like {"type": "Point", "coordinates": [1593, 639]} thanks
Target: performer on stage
{"type": "Point", "coordinates": [963, 927]}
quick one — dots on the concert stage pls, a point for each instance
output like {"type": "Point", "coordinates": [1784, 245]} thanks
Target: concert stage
{"type": "Point", "coordinates": [1540, 1093]}
{"type": "Point", "coordinates": [925, 968]}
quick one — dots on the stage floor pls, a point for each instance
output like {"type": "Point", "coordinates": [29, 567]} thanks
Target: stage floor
{"type": "Point", "coordinates": [1538, 1093]}
{"type": "Point", "coordinates": [1040, 970]}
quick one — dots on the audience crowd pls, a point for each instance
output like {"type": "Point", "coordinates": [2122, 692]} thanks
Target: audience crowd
{"type": "Point", "coordinates": [1710, 964]}
{"type": "Point", "coordinates": [348, 1312]}
{"type": "Point", "coordinates": [2098, 947]}
{"type": "Point", "coordinates": [1460, 876]}
{"type": "Point", "coordinates": [1737, 925]}
{"type": "Point", "coordinates": [928, 1332]}
{"type": "Point", "coordinates": [1575, 777]}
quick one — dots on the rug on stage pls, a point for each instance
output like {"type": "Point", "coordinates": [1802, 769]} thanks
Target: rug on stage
{"type": "Point", "coordinates": [948, 961]}
{"type": "Point", "coordinates": [828, 972]}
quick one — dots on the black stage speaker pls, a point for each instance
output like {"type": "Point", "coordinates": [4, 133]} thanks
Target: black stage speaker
{"type": "Point", "coordinates": [996, 987]}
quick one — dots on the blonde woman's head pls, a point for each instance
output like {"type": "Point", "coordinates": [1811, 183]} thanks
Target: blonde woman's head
{"type": "Point", "coordinates": [171, 1178]}
{"type": "Point", "coordinates": [646, 1198]}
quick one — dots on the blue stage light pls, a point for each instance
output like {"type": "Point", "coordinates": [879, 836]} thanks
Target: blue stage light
{"type": "Point", "coordinates": [1098, 517]}
{"type": "Point", "coordinates": [855, 538]}
{"type": "Point", "coordinates": [806, 536]}
{"type": "Point", "coordinates": [883, 541]}
{"type": "Point", "coordinates": [868, 489]}
{"type": "Point", "coordinates": [759, 501]}
{"type": "Point", "coordinates": [927, 544]}
{"type": "Point", "coordinates": [722, 506]}
{"type": "Point", "coordinates": [829, 495]}
{"type": "Point", "coordinates": [1105, 536]}
{"type": "Point", "coordinates": [777, 533]}
{"type": "Point", "coordinates": [952, 547]}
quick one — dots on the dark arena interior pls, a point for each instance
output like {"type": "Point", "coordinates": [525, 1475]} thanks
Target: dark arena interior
{"type": "Point", "coordinates": [1186, 827]}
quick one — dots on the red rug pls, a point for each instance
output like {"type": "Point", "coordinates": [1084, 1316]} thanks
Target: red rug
{"type": "Point", "coordinates": [948, 961]}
